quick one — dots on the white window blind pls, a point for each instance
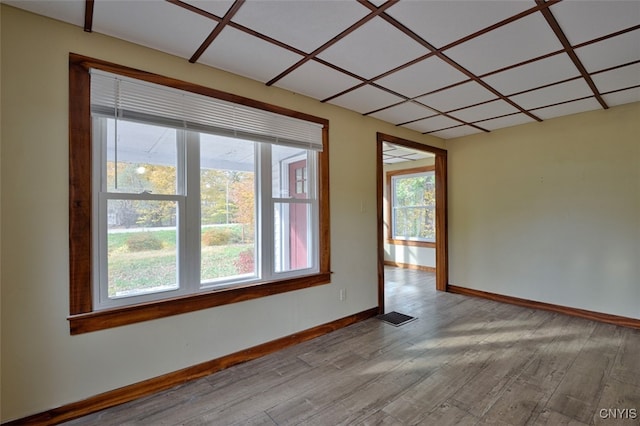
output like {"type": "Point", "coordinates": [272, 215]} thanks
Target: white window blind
{"type": "Point", "coordinates": [127, 98]}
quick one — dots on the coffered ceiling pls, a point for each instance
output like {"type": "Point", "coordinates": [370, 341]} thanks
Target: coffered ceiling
{"type": "Point", "coordinates": [448, 68]}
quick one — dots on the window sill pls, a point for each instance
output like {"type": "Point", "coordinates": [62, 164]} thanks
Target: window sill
{"type": "Point", "coordinates": [109, 318]}
{"type": "Point", "coordinates": [396, 242]}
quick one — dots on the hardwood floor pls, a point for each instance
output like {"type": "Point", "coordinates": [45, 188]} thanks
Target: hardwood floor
{"type": "Point", "coordinates": [464, 361]}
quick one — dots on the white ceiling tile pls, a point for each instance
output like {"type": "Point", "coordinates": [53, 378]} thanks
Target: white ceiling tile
{"type": "Point", "coordinates": [456, 132]}
{"type": "Point", "coordinates": [404, 112]}
{"type": "Point", "coordinates": [623, 97]}
{"type": "Point", "coordinates": [423, 77]}
{"type": "Point", "coordinates": [309, 24]}
{"type": "Point", "coordinates": [392, 160]}
{"type": "Point", "coordinates": [372, 49]}
{"type": "Point", "coordinates": [611, 52]}
{"type": "Point", "coordinates": [460, 96]}
{"type": "Point", "coordinates": [511, 44]}
{"type": "Point", "coordinates": [386, 146]}
{"type": "Point", "coordinates": [332, 81]}
{"type": "Point", "coordinates": [620, 78]}
{"type": "Point", "coordinates": [71, 11]}
{"type": "Point", "coordinates": [508, 121]}
{"type": "Point", "coordinates": [586, 20]}
{"type": "Point", "coordinates": [246, 55]}
{"type": "Point", "coordinates": [393, 149]}
{"type": "Point", "coordinates": [568, 108]}
{"type": "Point", "coordinates": [416, 156]}
{"type": "Point", "coordinates": [217, 7]}
{"type": "Point", "coordinates": [401, 152]}
{"type": "Point", "coordinates": [553, 94]}
{"type": "Point", "coordinates": [431, 124]}
{"type": "Point", "coordinates": [480, 112]}
{"type": "Point", "coordinates": [535, 74]}
{"type": "Point", "coordinates": [159, 25]}
{"type": "Point", "coordinates": [365, 99]}
{"type": "Point", "coordinates": [441, 22]}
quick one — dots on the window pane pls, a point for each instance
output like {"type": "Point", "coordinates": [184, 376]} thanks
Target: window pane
{"type": "Point", "coordinates": [141, 157]}
{"type": "Point", "coordinates": [289, 172]}
{"type": "Point", "coordinates": [228, 208]}
{"type": "Point", "coordinates": [141, 246]}
{"type": "Point", "coordinates": [293, 237]}
{"type": "Point", "coordinates": [414, 207]}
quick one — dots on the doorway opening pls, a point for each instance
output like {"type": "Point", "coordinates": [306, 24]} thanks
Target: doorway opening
{"type": "Point", "coordinates": [412, 209]}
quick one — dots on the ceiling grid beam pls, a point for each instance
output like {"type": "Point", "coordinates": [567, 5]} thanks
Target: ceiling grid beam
{"type": "Point", "coordinates": [555, 26]}
{"type": "Point", "coordinates": [217, 30]}
{"type": "Point", "coordinates": [333, 41]}
{"type": "Point", "coordinates": [88, 16]}
{"type": "Point", "coordinates": [497, 71]}
{"type": "Point", "coordinates": [433, 51]}
{"type": "Point", "coordinates": [548, 55]}
{"type": "Point", "coordinates": [260, 36]}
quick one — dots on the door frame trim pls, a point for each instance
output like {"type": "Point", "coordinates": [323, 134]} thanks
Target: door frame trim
{"type": "Point", "coordinates": [442, 239]}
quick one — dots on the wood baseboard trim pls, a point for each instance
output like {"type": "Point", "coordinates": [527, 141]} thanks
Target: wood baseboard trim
{"type": "Point", "coordinates": [169, 380]}
{"type": "Point", "coordinates": [576, 312]}
{"type": "Point", "coordinates": [410, 266]}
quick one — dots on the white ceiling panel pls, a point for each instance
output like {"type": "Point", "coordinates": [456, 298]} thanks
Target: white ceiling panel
{"type": "Point", "coordinates": [567, 109]}
{"type": "Point", "coordinates": [511, 44]}
{"type": "Point", "coordinates": [217, 7]}
{"type": "Point", "coordinates": [309, 24]}
{"type": "Point", "coordinates": [456, 132]}
{"type": "Point", "coordinates": [366, 99]}
{"type": "Point", "coordinates": [423, 77]}
{"type": "Point", "coordinates": [442, 22]}
{"type": "Point", "coordinates": [535, 74]}
{"type": "Point", "coordinates": [372, 49]}
{"type": "Point", "coordinates": [416, 156]}
{"type": "Point", "coordinates": [71, 11]}
{"type": "Point", "coordinates": [332, 81]}
{"type": "Point", "coordinates": [159, 25]}
{"type": "Point", "coordinates": [623, 97]}
{"type": "Point", "coordinates": [405, 152]}
{"type": "Point", "coordinates": [620, 78]}
{"type": "Point", "coordinates": [404, 112]}
{"type": "Point", "coordinates": [386, 146]}
{"type": "Point", "coordinates": [460, 96]}
{"type": "Point", "coordinates": [433, 123]}
{"type": "Point", "coordinates": [508, 121]}
{"type": "Point", "coordinates": [553, 94]}
{"type": "Point", "coordinates": [245, 55]}
{"type": "Point", "coordinates": [480, 112]}
{"type": "Point", "coordinates": [611, 52]}
{"type": "Point", "coordinates": [587, 20]}
{"type": "Point", "coordinates": [392, 160]}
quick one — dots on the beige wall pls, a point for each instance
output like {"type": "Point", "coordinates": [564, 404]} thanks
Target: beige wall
{"type": "Point", "coordinates": [42, 365]}
{"type": "Point", "coordinates": [1, 315]}
{"type": "Point", "coordinates": [550, 211]}
{"type": "Point", "coordinates": [421, 256]}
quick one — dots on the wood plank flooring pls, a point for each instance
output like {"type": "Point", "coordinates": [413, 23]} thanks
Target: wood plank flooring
{"type": "Point", "coordinates": [464, 361]}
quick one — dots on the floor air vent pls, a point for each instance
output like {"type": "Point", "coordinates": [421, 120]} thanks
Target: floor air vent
{"type": "Point", "coordinates": [396, 318]}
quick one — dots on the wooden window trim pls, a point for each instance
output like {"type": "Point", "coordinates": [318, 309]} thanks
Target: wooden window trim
{"type": "Point", "coordinates": [82, 317]}
{"type": "Point", "coordinates": [397, 241]}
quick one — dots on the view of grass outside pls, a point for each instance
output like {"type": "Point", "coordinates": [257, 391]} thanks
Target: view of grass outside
{"type": "Point", "coordinates": [145, 260]}
{"type": "Point", "coordinates": [142, 237]}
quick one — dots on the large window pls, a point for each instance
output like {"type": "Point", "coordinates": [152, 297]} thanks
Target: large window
{"type": "Point", "coordinates": [196, 201]}
{"type": "Point", "coordinates": [412, 206]}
